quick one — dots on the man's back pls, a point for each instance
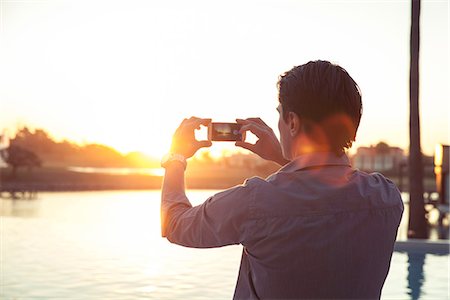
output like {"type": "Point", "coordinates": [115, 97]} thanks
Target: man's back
{"type": "Point", "coordinates": [320, 230]}
{"type": "Point", "coordinates": [315, 229]}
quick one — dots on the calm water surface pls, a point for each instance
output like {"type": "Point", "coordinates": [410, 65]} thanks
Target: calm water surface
{"type": "Point", "coordinates": [107, 245]}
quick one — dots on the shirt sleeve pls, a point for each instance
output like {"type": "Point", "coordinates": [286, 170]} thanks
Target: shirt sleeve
{"type": "Point", "coordinates": [221, 220]}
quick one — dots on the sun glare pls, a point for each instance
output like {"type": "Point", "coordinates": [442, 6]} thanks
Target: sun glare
{"type": "Point", "coordinates": [84, 76]}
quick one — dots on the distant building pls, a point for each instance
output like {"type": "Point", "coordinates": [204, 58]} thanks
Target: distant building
{"type": "Point", "coordinates": [4, 141]}
{"type": "Point", "coordinates": [4, 144]}
{"type": "Point", "coordinates": [442, 170]}
{"type": "Point", "coordinates": [379, 158]}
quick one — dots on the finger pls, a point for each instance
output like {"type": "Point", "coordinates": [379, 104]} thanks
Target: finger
{"type": "Point", "coordinates": [258, 120]}
{"type": "Point", "coordinates": [254, 128]}
{"type": "Point", "coordinates": [202, 144]}
{"type": "Point", "coordinates": [205, 122]}
{"type": "Point", "coordinates": [251, 120]}
{"type": "Point", "coordinates": [244, 121]}
{"type": "Point", "coordinates": [245, 145]}
{"type": "Point", "coordinates": [262, 124]}
{"type": "Point", "coordinates": [195, 122]}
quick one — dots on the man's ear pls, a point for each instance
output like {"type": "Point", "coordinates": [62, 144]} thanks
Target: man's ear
{"type": "Point", "coordinates": [294, 123]}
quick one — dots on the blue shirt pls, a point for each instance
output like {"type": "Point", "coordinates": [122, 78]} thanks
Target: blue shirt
{"type": "Point", "coordinates": [315, 229]}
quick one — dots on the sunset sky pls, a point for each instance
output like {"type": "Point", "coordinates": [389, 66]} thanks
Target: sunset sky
{"type": "Point", "coordinates": [125, 73]}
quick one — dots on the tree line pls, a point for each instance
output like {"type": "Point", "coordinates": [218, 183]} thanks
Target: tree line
{"type": "Point", "coordinates": [35, 148]}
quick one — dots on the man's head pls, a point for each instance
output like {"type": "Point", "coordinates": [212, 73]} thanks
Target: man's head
{"type": "Point", "coordinates": [320, 109]}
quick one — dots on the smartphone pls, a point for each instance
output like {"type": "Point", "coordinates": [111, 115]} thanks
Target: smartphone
{"type": "Point", "coordinates": [224, 132]}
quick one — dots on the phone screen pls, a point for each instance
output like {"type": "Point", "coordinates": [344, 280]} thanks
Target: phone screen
{"type": "Point", "coordinates": [225, 132]}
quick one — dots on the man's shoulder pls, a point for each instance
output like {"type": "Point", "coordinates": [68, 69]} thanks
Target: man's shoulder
{"type": "Point", "coordinates": [255, 181]}
{"type": "Point", "coordinates": [375, 179]}
{"type": "Point", "coordinates": [377, 186]}
{"type": "Point", "coordinates": [244, 190]}
{"type": "Point", "coordinates": [355, 185]}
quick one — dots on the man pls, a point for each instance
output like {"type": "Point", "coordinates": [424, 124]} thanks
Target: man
{"type": "Point", "coordinates": [316, 228]}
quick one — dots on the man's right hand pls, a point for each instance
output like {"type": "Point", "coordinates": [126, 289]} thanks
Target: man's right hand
{"type": "Point", "coordinates": [183, 140]}
{"type": "Point", "coordinates": [267, 146]}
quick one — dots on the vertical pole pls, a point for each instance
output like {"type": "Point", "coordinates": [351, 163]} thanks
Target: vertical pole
{"type": "Point", "coordinates": [417, 225]}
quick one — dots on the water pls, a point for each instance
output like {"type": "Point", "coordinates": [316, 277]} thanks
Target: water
{"type": "Point", "coordinates": [107, 245]}
{"type": "Point", "coordinates": [119, 171]}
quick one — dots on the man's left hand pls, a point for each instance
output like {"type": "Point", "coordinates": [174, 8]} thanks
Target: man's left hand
{"type": "Point", "coordinates": [184, 142]}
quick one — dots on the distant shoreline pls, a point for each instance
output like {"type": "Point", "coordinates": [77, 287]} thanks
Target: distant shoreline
{"type": "Point", "coordinates": [153, 184]}
{"type": "Point", "coordinates": [61, 179]}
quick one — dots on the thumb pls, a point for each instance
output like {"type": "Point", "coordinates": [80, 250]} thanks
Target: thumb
{"type": "Point", "coordinates": [202, 144]}
{"type": "Point", "coordinates": [245, 145]}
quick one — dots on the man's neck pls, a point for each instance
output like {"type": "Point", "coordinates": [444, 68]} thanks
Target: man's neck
{"type": "Point", "coordinates": [309, 148]}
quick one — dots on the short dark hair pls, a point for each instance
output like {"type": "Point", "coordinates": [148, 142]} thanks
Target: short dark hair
{"type": "Point", "coordinates": [323, 94]}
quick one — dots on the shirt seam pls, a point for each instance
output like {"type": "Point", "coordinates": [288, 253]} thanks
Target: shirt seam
{"type": "Point", "coordinates": [251, 213]}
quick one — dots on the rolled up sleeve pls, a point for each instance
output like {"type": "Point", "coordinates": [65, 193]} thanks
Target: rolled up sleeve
{"type": "Point", "coordinates": [221, 220]}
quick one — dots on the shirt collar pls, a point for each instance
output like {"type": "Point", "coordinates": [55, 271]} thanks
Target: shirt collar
{"type": "Point", "coordinates": [316, 160]}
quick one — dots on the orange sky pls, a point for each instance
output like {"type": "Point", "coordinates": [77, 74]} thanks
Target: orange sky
{"type": "Point", "coordinates": [126, 73]}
